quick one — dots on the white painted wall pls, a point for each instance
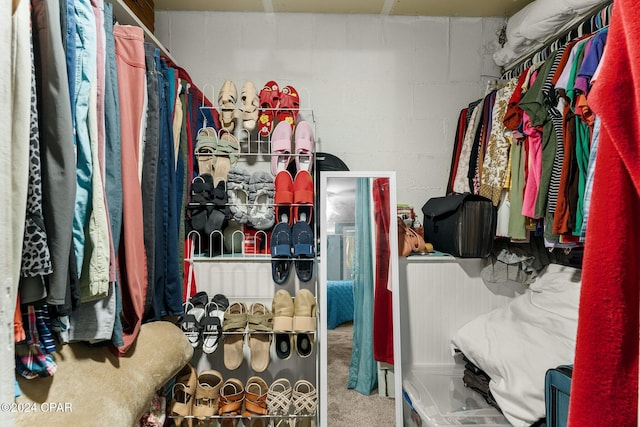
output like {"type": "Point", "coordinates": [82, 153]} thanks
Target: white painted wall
{"type": "Point", "coordinates": [386, 91]}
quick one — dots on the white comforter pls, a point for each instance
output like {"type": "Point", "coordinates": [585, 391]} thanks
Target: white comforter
{"type": "Point", "coordinates": [537, 22]}
{"type": "Point", "coordinates": [516, 345]}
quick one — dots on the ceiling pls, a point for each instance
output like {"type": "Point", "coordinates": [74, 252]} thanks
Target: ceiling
{"type": "Point", "coordinates": [382, 7]}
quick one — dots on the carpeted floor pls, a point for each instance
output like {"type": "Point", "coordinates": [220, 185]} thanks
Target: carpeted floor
{"type": "Point", "coordinates": [348, 407]}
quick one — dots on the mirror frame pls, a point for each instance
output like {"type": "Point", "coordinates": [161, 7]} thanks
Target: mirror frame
{"type": "Point", "coordinates": [395, 289]}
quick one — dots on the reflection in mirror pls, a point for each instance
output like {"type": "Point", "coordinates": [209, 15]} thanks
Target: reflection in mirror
{"type": "Point", "coordinates": [359, 297]}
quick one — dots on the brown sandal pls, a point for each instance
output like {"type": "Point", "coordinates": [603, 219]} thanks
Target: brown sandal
{"type": "Point", "coordinates": [255, 402]}
{"type": "Point", "coordinates": [231, 398]}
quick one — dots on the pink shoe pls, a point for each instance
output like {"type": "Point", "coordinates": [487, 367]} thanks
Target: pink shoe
{"type": "Point", "coordinates": [280, 148]}
{"type": "Point", "coordinates": [304, 146]}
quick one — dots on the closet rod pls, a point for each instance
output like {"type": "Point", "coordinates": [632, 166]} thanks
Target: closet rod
{"type": "Point", "coordinates": [556, 41]}
{"type": "Point", "coordinates": [125, 16]}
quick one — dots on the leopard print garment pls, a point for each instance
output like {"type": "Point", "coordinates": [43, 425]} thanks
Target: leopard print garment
{"type": "Point", "coordinates": [36, 260]}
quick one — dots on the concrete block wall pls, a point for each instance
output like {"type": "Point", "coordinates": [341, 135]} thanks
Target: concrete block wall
{"type": "Point", "coordinates": [385, 90]}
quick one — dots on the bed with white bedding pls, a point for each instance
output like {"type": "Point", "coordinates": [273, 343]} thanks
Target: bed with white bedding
{"type": "Point", "coordinates": [516, 344]}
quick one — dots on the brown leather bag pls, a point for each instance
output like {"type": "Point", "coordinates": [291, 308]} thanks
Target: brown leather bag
{"type": "Point", "coordinates": [409, 241]}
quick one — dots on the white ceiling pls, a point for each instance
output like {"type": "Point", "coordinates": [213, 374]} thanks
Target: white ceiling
{"type": "Point", "coordinates": [383, 7]}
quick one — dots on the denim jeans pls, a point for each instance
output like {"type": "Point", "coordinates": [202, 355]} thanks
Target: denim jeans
{"type": "Point", "coordinates": [69, 45]}
{"type": "Point", "coordinates": [113, 162]}
{"type": "Point", "coordinates": [86, 56]}
{"type": "Point", "coordinates": [150, 169]}
{"type": "Point", "coordinates": [167, 298]}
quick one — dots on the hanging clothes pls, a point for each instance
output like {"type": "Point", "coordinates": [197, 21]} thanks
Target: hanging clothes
{"type": "Point", "coordinates": [363, 372]}
{"type": "Point", "coordinates": [497, 153]}
{"type": "Point", "coordinates": [457, 147]}
{"type": "Point", "coordinates": [57, 152]}
{"type": "Point", "coordinates": [382, 304]}
{"type": "Point", "coordinates": [609, 300]}
{"type": "Point", "coordinates": [129, 42]}
{"type": "Point", "coordinates": [461, 181]}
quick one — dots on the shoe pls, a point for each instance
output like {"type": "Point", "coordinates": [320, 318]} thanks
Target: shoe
{"type": "Point", "coordinates": [193, 315]}
{"type": "Point", "coordinates": [304, 322]}
{"type": "Point", "coordinates": [238, 194]}
{"type": "Point", "coordinates": [235, 323]}
{"type": "Point", "coordinates": [261, 195]}
{"type": "Point", "coordinates": [304, 400]}
{"type": "Point", "coordinates": [289, 106]}
{"type": "Point", "coordinates": [228, 146]}
{"type": "Point", "coordinates": [283, 311]}
{"type": "Point", "coordinates": [260, 321]}
{"type": "Point", "coordinates": [219, 211]}
{"type": "Point", "coordinates": [205, 404]}
{"type": "Point", "coordinates": [255, 402]}
{"type": "Point", "coordinates": [303, 197]}
{"type": "Point", "coordinates": [284, 197]}
{"type": "Point", "coordinates": [248, 110]}
{"type": "Point", "coordinates": [269, 102]}
{"type": "Point", "coordinates": [279, 402]}
{"type": "Point", "coordinates": [206, 146]}
{"type": "Point", "coordinates": [280, 148]}
{"type": "Point", "coordinates": [231, 399]}
{"type": "Point", "coordinates": [281, 253]}
{"type": "Point", "coordinates": [303, 253]}
{"type": "Point", "coordinates": [304, 146]}
{"type": "Point", "coordinates": [227, 98]}
{"type": "Point", "coordinates": [212, 323]}
{"type": "Point", "coordinates": [183, 391]}
{"type": "Point", "coordinates": [199, 203]}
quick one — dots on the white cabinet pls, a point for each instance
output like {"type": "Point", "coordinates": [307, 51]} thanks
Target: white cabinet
{"type": "Point", "coordinates": [439, 295]}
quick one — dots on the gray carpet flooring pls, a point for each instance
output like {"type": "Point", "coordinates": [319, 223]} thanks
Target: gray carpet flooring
{"type": "Point", "coordinates": [348, 407]}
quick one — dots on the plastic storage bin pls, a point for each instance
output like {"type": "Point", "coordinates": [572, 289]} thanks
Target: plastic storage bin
{"type": "Point", "coordinates": [435, 396]}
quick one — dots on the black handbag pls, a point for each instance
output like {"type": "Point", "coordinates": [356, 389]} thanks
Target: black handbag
{"type": "Point", "coordinates": [463, 225]}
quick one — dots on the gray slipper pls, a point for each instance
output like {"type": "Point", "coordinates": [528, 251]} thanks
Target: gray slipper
{"type": "Point", "coordinates": [238, 192]}
{"type": "Point", "coordinates": [261, 199]}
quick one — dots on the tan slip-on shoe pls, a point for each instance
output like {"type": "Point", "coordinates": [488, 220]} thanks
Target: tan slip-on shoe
{"type": "Point", "coordinates": [304, 322]}
{"type": "Point", "coordinates": [227, 98]}
{"type": "Point", "coordinates": [234, 324]}
{"type": "Point", "coordinates": [249, 103]}
{"type": "Point", "coordinates": [259, 327]}
{"type": "Point", "coordinates": [283, 310]}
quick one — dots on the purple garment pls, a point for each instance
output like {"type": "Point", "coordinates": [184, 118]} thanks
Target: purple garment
{"type": "Point", "coordinates": [590, 62]}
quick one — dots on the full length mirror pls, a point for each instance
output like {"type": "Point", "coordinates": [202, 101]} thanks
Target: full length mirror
{"type": "Point", "coordinates": [359, 298]}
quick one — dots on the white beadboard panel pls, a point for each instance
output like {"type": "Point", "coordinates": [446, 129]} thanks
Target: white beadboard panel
{"type": "Point", "coordinates": [235, 279]}
{"type": "Point", "coordinates": [248, 279]}
{"type": "Point", "coordinates": [440, 294]}
{"type": "Point", "coordinates": [244, 278]}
